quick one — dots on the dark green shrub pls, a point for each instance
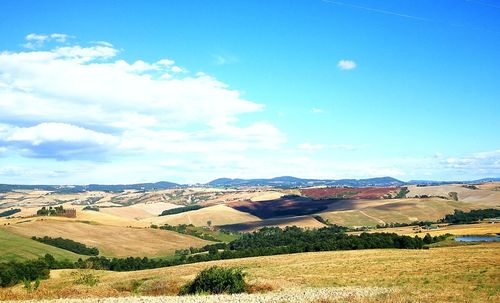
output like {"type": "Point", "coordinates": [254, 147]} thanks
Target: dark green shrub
{"type": "Point", "coordinates": [216, 280]}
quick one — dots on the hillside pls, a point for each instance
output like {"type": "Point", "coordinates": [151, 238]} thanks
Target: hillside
{"type": "Point", "coordinates": [409, 274]}
{"type": "Point", "coordinates": [218, 214]}
{"type": "Point", "coordinates": [115, 241]}
{"type": "Point", "coordinates": [14, 247]}
{"type": "Point", "coordinates": [372, 213]}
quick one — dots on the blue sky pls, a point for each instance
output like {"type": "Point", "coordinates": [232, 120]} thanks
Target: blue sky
{"type": "Point", "coordinates": [188, 91]}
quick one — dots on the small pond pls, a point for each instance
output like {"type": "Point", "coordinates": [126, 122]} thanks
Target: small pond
{"type": "Point", "coordinates": [477, 238]}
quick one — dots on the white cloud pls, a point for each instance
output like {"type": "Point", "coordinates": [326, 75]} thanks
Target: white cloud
{"type": "Point", "coordinates": [478, 161]}
{"type": "Point", "coordinates": [224, 59]}
{"type": "Point", "coordinates": [346, 64]}
{"type": "Point", "coordinates": [36, 37]}
{"type": "Point", "coordinates": [166, 62]}
{"type": "Point", "coordinates": [85, 54]}
{"type": "Point", "coordinates": [57, 140]}
{"type": "Point", "coordinates": [53, 132]}
{"type": "Point", "coordinates": [38, 40]}
{"type": "Point", "coordinates": [317, 110]}
{"type": "Point", "coordinates": [310, 147]}
{"type": "Point", "coordinates": [177, 69]}
{"type": "Point", "coordinates": [345, 146]}
{"type": "Point", "coordinates": [59, 37]}
{"type": "Point", "coordinates": [64, 100]}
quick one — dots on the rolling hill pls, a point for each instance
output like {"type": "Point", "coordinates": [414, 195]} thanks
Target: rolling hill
{"type": "Point", "coordinates": [114, 241]}
{"type": "Point", "coordinates": [409, 274]}
{"type": "Point", "coordinates": [17, 248]}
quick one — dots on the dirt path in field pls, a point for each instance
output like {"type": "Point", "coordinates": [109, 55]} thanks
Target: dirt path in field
{"type": "Point", "coordinates": [372, 217]}
{"type": "Point", "coordinates": [302, 295]}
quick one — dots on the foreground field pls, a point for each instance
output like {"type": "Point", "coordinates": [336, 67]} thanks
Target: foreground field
{"type": "Point", "coordinates": [298, 295]}
{"type": "Point", "coordinates": [112, 241]}
{"type": "Point", "coordinates": [447, 274]}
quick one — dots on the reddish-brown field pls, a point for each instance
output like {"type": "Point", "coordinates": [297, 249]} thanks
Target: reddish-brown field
{"type": "Point", "coordinates": [349, 192]}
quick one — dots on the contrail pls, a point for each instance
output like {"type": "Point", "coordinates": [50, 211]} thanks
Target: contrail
{"type": "Point", "coordinates": [376, 10]}
{"type": "Point", "coordinates": [393, 13]}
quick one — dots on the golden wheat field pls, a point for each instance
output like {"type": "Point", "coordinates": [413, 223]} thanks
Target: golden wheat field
{"type": "Point", "coordinates": [217, 214]}
{"type": "Point", "coordinates": [116, 241]}
{"type": "Point", "coordinates": [446, 274]}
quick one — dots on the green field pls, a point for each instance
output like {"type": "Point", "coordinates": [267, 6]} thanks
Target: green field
{"type": "Point", "coordinates": [17, 248]}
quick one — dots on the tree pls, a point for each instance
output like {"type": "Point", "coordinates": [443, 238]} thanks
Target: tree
{"type": "Point", "coordinates": [427, 239]}
{"type": "Point", "coordinates": [209, 223]}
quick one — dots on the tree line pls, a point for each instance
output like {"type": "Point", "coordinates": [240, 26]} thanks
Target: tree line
{"type": "Point", "coordinates": [187, 229]}
{"type": "Point", "coordinates": [179, 210]}
{"type": "Point", "coordinates": [68, 244]}
{"type": "Point", "coordinates": [268, 241]}
{"type": "Point", "coordinates": [50, 211]}
{"type": "Point", "coordinates": [460, 217]}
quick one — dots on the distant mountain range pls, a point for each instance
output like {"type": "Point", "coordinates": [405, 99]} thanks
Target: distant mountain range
{"type": "Point", "coordinates": [288, 181]}
{"type": "Point", "coordinates": [280, 182]}
{"type": "Point", "coordinates": [92, 187]}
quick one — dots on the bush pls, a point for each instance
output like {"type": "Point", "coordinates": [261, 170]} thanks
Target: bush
{"type": "Point", "coordinates": [85, 278]}
{"type": "Point", "coordinates": [12, 273]}
{"type": "Point", "coordinates": [216, 280]}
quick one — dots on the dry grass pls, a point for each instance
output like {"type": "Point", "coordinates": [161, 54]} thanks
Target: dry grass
{"type": "Point", "coordinates": [110, 240]}
{"type": "Point", "coordinates": [299, 221]}
{"type": "Point", "coordinates": [448, 274]}
{"type": "Point", "coordinates": [139, 211]}
{"type": "Point", "coordinates": [218, 214]}
{"type": "Point", "coordinates": [484, 195]}
{"type": "Point", "coordinates": [371, 213]}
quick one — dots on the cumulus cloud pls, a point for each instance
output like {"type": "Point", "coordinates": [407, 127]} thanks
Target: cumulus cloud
{"type": "Point", "coordinates": [56, 140]}
{"type": "Point", "coordinates": [346, 64]}
{"type": "Point", "coordinates": [479, 161]}
{"type": "Point", "coordinates": [70, 100]}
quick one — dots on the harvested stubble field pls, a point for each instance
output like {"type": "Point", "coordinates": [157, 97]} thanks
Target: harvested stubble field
{"type": "Point", "coordinates": [349, 192]}
{"type": "Point", "coordinates": [446, 274]}
{"type": "Point", "coordinates": [299, 295]}
{"type": "Point", "coordinates": [217, 214]}
{"type": "Point", "coordinates": [115, 241]}
{"type": "Point", "coordinates": [354, 213]}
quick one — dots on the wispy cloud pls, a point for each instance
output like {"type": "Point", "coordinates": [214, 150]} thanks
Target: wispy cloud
{"type": "Point", "coordinates": [219, 59]}
{"type": "Point", "coordinates": [315, 110]}
{"type": "Point", "coordinates": [310, 147]}
{"type": "Point", "coordinates": [345, 146]}
{"type": "Point", "coordinates": [34, 40]}
{"type": "Point", "coordinates": [346, 64]}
